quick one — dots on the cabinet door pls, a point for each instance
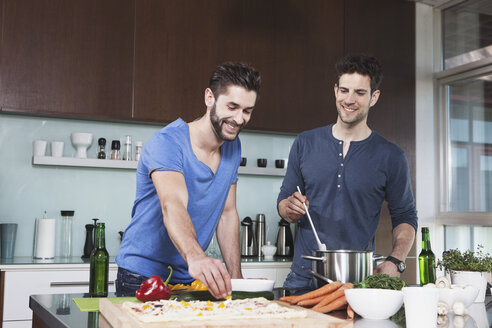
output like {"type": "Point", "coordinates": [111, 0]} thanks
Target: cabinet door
{"type": "Point", "coordinates": [71, 58]}
{"type": "Point", "coordinates": [293, 44]}
{"type": "Point", "coordinates": [19, 285]}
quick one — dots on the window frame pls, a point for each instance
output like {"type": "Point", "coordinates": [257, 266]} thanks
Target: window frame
{"type": "Point", "coordinates": [442, 80]}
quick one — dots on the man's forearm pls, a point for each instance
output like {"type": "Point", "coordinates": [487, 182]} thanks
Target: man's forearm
{"type": "Point", "coordinates": [228, 238]}
{"type": "Point", "coordinates": [182, 232]}
{"type": "Point", "coordinates": [403, 238]}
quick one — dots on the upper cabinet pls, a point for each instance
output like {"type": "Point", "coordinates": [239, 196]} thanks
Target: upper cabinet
{"type": "Point", "coordinates": [68, 58]}
{"type": "Point", "coordinates": [150, 60]}
{"type": "Point", "coordinates": [292, 43]}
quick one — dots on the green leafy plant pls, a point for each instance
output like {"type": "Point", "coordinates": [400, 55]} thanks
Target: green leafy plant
{"type": "Point", "coordinates": [454, 260]}
{"type": "Point", "coordinates": [381, 280]}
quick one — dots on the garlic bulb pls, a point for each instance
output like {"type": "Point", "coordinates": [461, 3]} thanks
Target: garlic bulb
{"type": "Point", "coordinates": [442, 308]}
{"type": "Point", "coordinates": [459, 308]}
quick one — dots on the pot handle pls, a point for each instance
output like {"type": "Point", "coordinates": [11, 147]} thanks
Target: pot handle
{"type": "Point", "coordinates": [314, 258]}
{"type": "Point", "coordinates": [317, 275]}
{"type": "Point", "coordinates": [377, 257]}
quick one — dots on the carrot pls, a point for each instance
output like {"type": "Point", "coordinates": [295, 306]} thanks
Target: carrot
{"type": "Point", "coordinates": [333, 296]}
{"type": "Point", "coordinates": [328, 288]}
{"type": "Point", "coordinates": [350, 312]}
{"type": "Point", "coordinates": [311, 301]}
{"type": "Point", "coordinates": [287, 299]}
{"type": "Point", "coordinates": [335, 305]}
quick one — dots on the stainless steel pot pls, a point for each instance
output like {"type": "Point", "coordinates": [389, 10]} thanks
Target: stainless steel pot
{"type": "Point", "coordinates": [342, 265]}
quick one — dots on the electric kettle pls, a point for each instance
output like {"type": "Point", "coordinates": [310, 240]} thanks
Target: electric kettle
{"type": "Point", "coordinates": [285, 243]}
{"type": "Point", "coordinates": [248, 240]}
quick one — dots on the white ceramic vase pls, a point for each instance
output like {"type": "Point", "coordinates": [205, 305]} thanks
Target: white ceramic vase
{"type": "Point", "coordinates": [475, 278]}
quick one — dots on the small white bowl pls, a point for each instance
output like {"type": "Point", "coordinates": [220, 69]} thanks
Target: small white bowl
{"type": "Point", "coordinates": [374, 303]}
{"type": "Point", "coordinates": [465, 294]}
{"type": "Point", "coordinates": [252, 285]}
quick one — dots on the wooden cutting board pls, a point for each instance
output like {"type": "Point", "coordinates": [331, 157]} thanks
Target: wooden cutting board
{"type": "Point", "coordinates": [115, 317]}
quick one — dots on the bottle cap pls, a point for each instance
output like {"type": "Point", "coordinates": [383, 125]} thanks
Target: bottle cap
{"type": "Point", "coordinates": [67, 213]}
{"type": "Point", "coordinates": [115, 144]}
{"type": "Point", "coordinates": [138, 144]}
{"type": "Point", "coordinates": [101, 142]}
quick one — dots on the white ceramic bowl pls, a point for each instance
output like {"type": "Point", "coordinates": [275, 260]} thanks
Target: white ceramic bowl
{"type": "Point", "coordinates": [374, 303]}
{"type": "Point", "coordinates": [457, 293]}
{"type": "Point", "coordinates": [252, 285]}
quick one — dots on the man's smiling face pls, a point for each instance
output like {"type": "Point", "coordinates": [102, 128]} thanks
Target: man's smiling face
{"type": "Point", "coordinates": [354, 98]}
{"type": "Point", "coordinates": [232, 111]}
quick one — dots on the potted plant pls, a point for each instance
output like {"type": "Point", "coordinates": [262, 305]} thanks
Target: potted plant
{"type": "Point", "coordinates": [468, 268]}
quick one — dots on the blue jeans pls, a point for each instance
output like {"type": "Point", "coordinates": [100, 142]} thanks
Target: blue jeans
{"type": "Point", "coordinates": [127, 282]}
{"type": "Point", "coordinates": [298, 284]}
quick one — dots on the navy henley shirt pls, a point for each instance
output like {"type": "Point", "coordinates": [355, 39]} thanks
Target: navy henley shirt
{"type": "Point", "coordinates": [346, 193]}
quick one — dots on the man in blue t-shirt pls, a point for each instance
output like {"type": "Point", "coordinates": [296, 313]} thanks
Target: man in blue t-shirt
{"type": "Point", "coordinates": [345, 171]}
{"type": "Point", "coordinates": [186, 191]}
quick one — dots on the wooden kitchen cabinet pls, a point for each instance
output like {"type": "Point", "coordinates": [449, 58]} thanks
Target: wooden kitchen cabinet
{"type": "Point", "coordinates": [291, 43]}
{"type": "Point", "coordinates": [150, 60]}
{"type": "Point", "coordinates": [68, 58]}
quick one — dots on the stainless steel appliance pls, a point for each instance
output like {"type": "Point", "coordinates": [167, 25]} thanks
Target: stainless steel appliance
{"type": "Point", "coordinates": [285, 243]}
{"type": "Point", "coordinates": [260, 231]}
{"type": "Point", "coordinates": [249, 246]}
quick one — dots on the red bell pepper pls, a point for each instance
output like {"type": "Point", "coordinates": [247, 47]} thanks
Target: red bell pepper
{"type": "Point", "coordinates": [154, 289]}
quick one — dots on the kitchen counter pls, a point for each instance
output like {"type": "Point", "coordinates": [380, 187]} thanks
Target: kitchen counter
{"type": "Point", "coordinates": [58, 310]}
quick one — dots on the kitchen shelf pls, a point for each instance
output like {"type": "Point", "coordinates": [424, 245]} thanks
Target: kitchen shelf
{"type": "Point", "coordinates": [84, 162]}
{"type": "Point", "coordinates": [132, 165]}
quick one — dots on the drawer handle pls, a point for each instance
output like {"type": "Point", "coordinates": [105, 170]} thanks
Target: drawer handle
{"type": "Point", "coordinates": [73, 283]}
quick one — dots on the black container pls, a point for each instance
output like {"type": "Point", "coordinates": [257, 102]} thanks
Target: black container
{"type": "Point", "coordinates": [262, 162]}
{"type": "Point", "coordinates": [279, 163]}
{"type": "Point", "coordinates": [244, 160]}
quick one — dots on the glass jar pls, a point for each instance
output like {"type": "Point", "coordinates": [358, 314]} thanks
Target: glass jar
{"type": "Point", "coordinates": [138, 150]}
{"type": "Point", "coordinates": [127, 153]}
{"type": "Point", "coordinates": [115, 149]}
{"type": "Point", "coordinates": [66, 233]}
{"type": "Point", "coordinates": [102, 148]}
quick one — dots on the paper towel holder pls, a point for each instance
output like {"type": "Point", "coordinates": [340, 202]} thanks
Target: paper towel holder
{"type": "Point", "coordinates": [47, 230]}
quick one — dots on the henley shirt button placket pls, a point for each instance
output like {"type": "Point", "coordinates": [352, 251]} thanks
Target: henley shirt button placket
{"type": "Point", "coordinates": [339, 175]}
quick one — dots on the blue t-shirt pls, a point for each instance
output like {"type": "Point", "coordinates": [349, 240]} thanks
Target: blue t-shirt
{"type": "Point", "coordinates": [146, 248]}
{"type": "Point", "coordinates": [345, 194]}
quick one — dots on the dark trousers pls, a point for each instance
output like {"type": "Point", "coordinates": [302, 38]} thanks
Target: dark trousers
{"type": "Point", "coordinates": [127, 282]}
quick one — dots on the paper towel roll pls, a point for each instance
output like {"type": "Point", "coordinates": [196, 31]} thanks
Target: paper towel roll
{"type": "Point", "coordinates": [45, 239]}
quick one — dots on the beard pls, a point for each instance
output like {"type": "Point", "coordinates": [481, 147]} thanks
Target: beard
{"type": "Point", "coordinates": [217, 124]}
{"type": "Point", "coordinates": [357, 118]}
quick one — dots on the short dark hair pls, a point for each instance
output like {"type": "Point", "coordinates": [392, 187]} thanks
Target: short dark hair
{"type": "Point", "coordinates": [363, 65]}
{"type": "Point", "coordinates": [232, 73]}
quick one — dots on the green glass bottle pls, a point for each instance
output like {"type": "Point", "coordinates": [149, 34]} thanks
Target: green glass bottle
{"type": "Point", "coordinates": [427, 260]}
{"type": "Point", "coordinates": [98, 281]}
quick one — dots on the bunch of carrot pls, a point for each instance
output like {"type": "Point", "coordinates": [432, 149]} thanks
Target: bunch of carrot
{"type": "Point", "coordinates": [325, 299]}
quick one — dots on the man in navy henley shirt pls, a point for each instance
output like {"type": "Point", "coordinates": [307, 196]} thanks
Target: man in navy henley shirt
{"type": "Point", "coordinates": [345, 171]}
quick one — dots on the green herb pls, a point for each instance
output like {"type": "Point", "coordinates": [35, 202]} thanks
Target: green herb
{"type": "Point", "coordinates": [399, 317]}
{"type": "Point", "coordinates": [454, 260]}
{"type": "Point", "coordinates": [381, 280]}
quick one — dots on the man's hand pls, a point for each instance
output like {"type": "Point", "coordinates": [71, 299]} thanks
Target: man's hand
{"type": "Point", "coordinates": [292, 208]}
{"type": "Point", "coordinates": [389, 268]}
{"type": "Point", "coordinates": [213, 274]}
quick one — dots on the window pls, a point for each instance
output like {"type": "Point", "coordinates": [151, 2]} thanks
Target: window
{"type": "Point", "coordinates": [464, 87]}
{"type": "Point", "coordinates": [467, 33]}
{"type": "Point", "coordinates": [470, 143]}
